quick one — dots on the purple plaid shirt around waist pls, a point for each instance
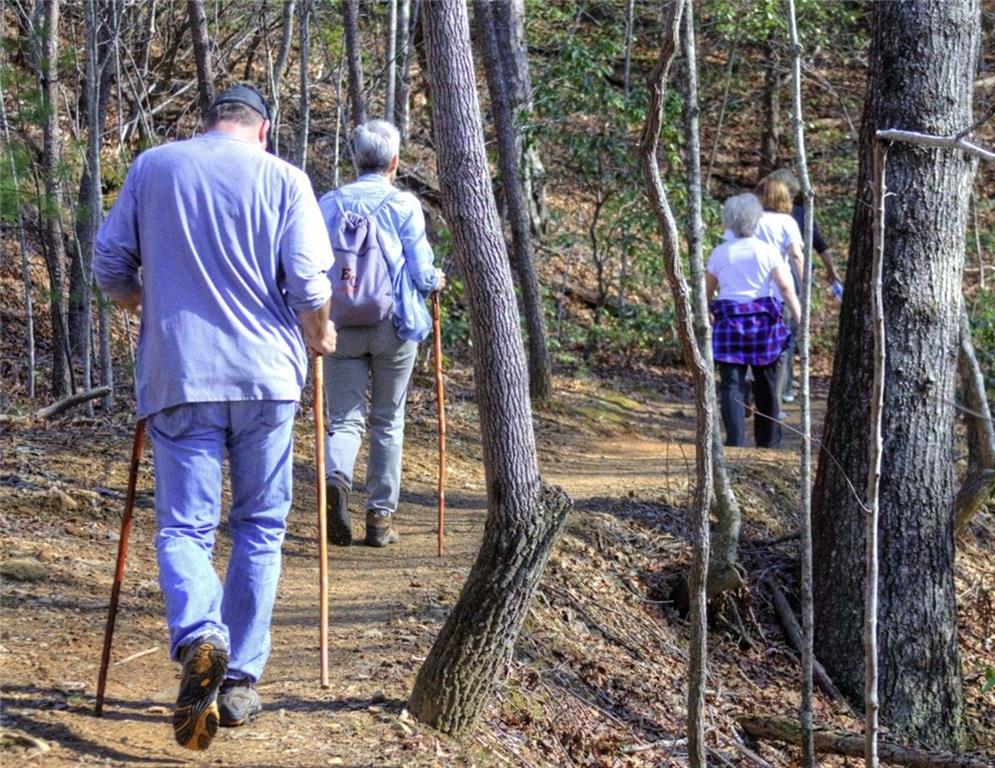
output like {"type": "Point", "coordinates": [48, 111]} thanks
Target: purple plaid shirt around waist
{"type": "Point", "coordinates": [748, 332]}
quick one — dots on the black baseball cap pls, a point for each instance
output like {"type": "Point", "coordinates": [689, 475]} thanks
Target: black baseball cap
{"type": "Point", "coordinates": [243, 94]}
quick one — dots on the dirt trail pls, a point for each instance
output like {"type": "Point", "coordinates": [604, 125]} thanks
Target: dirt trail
{"type": "Point", "coordinates": [598, 674]}
{"type": "Point", "coordinates": [385, 608]}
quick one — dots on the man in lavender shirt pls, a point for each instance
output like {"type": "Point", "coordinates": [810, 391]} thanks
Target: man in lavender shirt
{"type": "Point", "coordinates": [222, 248]}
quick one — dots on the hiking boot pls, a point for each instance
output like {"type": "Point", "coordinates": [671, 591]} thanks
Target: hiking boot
{"type": "Point", "coordinates": [195, 718]}
{"type": "Point", "coordinates": [238, 702]}
{"type": "Point", "coordinates": [379, 529]}
{"type": "Point", "coordinates": [339, 522]}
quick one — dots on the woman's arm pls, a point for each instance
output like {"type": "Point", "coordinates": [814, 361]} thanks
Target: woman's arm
{"type": "Point", "coordinates": [711, 285]}
{"type": "Point", "coordinates": [782, 279]}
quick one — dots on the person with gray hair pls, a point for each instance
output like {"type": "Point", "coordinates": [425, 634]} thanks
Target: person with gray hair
{"type": "Point", "coordinates": [748, 327]}
{"type": "Point", "coordinates": [379, 239]}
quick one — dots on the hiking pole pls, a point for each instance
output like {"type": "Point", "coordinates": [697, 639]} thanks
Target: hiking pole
{"type": "Point", "coordinates": [122, 557]}
{"type": "Point", "coordinates": [319, 455]}
{"type": "Point", "coordinates": [440, 396]}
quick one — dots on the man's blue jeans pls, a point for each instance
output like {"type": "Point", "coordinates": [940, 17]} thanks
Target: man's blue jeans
{"type": "Point", "coordinates": [361, 353]}
{"type": "Point", "coordinates": [189, 443]}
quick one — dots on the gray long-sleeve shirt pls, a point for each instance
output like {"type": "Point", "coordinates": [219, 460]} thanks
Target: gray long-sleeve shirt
{"type": "Point", "coordinates": [226, 243]}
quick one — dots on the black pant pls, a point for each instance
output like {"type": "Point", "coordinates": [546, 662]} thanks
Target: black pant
{"type": "Point", "coordinates": [732, 395]}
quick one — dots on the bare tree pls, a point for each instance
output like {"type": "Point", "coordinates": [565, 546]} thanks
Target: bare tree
{"type": "Point", "coordinates": [304, 44]}
{"type": "Point", "coordinates": [524, 515]}
{"type": "Point", "coordinates": [723, 573]}
{"type": "Point", "coordinates": [53, 235]}
{"type": "Point", "coordinates": [390, 96]}
{"type": "Point", "coordinates": [978, 485]}
{"type": "Point", "coordinates": [350, 23]}
{"type": "Point", "coordinates": [805, 490]}
{"type": "Point", "coordinates": [701, 374]}
{"type": "Point", "coordinates": [202, 54]}
{"type": "Point", "coordinates": [630, 8]}
{"type": "Point", "coordinates": [29, 319]}
{"type": "Point", "coordinates": [540, 385]}
{"type": "Point", "coordinates": [283, 53]}
{"type": "Point", "coordinates": [406, 19]}
{"type": "Point", "coordinates": [770, 106]}
{"type": "Point", "coordinates": [922, 273]}
{"type": "Point", "coordinates": [509, 19]}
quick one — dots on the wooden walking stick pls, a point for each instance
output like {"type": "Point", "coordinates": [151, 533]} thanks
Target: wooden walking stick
{"type": "Point", "coordinates": [440, 396]}
{"type": "Point", "coordinates": [122, 557]}
{"type": "Point", "coordinates": [319, 455]}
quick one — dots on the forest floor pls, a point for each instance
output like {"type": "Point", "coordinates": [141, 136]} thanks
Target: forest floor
{"type": "Point", "coordinates": [599, 670]}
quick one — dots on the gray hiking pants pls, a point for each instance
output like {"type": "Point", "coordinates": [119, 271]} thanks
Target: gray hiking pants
{"type": "Point", "coordinates": [363, 353]}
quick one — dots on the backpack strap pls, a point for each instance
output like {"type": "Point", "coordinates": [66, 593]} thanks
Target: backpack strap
{"type": "Point", "coordinates": [387, 198]}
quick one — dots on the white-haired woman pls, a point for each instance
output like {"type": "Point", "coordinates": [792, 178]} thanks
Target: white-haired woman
{"type": "Point", "coordinates": [381, 351]}
{"type": "Point", "coordinates": [748, 327]}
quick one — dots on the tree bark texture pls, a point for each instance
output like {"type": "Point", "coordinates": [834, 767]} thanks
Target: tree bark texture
{"type": "Point", "coordinates": [509, 20]}
{"type": "Point", "coordinates": [540, 386]}
{"type": "Point", "coordinates": [921, 68]}
{"type": "Point", "coordinates": [390, 92]}
{"type": "Point", "coordinates": [804, 325]}
{"type": "Point", "coordinates": [524, 516]}
{"type": "Point", "coordinates": [406, 19]}
{"type": "Point", "coordinates": [723, 573]}
{"type": "Point", "coordinates": [978, 485]}
{"type": "Point", "coordinates": [53, 235]}
{"type": "Point", "coordinates": [202, 55]}
{"type": "Point", "coordinates": [770, 103]}
{"type": "Point", "coordinates": [701, 374]}
{"type": "Point", "coordinates": [353, 44]}
{"type": "Point", "coordinates": [276, 74]}
{"type": "Point", "coordinates": [304, 44]}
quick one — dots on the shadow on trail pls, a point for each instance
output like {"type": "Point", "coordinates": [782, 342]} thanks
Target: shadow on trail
{"type": "Point", "coordinates": [66, 738]}
{"type": "Point", "coordinates": [656, 515]}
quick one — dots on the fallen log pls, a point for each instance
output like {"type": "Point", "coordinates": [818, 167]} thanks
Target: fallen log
{"type": "Point", "coordinates": [828, 742]}
{"type": "Point", "coordinates": [69, 402]}
{"type": "Point", "coordinates": [794, 634]}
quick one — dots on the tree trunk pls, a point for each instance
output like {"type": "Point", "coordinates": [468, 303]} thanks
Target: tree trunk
{"type": "Point", "coordinates": [281, 62]}
{"type": "Point", "coordinates": [509, 19]}
{"type": "Point", "coordinates": [202, 55]}
{"type": "Point", "coordinates": [540, 386]}
{"type": "Point", "coordinates": [53, 236]}
{"type": "Point", "coordinates": [804, 325]}
{"type": "Point", "coordinates": [406, 18]}
{"type": "Point", "coordinates": [390, 94]}
{"type": "Point", "coordinates": [723, 574]}
{"type": "Point", "coordinates": [29, 316]}
{"type": "Point", "coordinates": [979, 482]}
{"type": "Point", "coordinates": [630, 8]}
{"type": "Point", "coordinates": [919, 668]}
{"type": "Point", "coordinates": [770, 104]}
{"type": "Point", "coordinates": [702, 376]}
{"type": "Point", "coordinates": [304, 44]}
{"type": "Point", "coordinates": [524, 516]}
{"type": "Point", "coordinates": [350, 23]}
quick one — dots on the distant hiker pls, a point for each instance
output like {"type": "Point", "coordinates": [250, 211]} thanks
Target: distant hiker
{"type": "Point", "coordinates": [384, 269]}
{"type": "Point", "coordinates": [748, 329]}
{"type": "Point", "coordinates": [222, 248]}
{"type": "Point", "coordinates": [774, 200]}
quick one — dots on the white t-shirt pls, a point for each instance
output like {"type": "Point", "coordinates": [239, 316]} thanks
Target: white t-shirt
{"type": "Point", "coordinates": [781, 231]}
{"type": "Point", "coordinates": [744, 268]}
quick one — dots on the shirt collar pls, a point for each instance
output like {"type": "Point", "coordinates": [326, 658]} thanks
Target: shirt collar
{"type": "Point", "coordinates": [216, 134]}
{"type": "Point", "coordinates": [374, 176]}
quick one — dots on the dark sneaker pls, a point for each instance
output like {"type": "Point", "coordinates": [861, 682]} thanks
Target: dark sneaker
{"type": "Point", "coordinates": [380, 530]}
{"type": "Point", "coordinates": [238, 702]}
{"type": "Point", "coordinates": [195, 718]}
{"type": "Point", "coordinates": [339, 522]}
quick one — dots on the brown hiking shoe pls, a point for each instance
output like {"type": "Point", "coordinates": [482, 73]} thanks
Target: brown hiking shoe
{"type": "Point", "coordinates": [379, 529]}
{"type": "Point", "coordinates": [195, 718]}
{"type": "Point", "coordinates": [339, 522]}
